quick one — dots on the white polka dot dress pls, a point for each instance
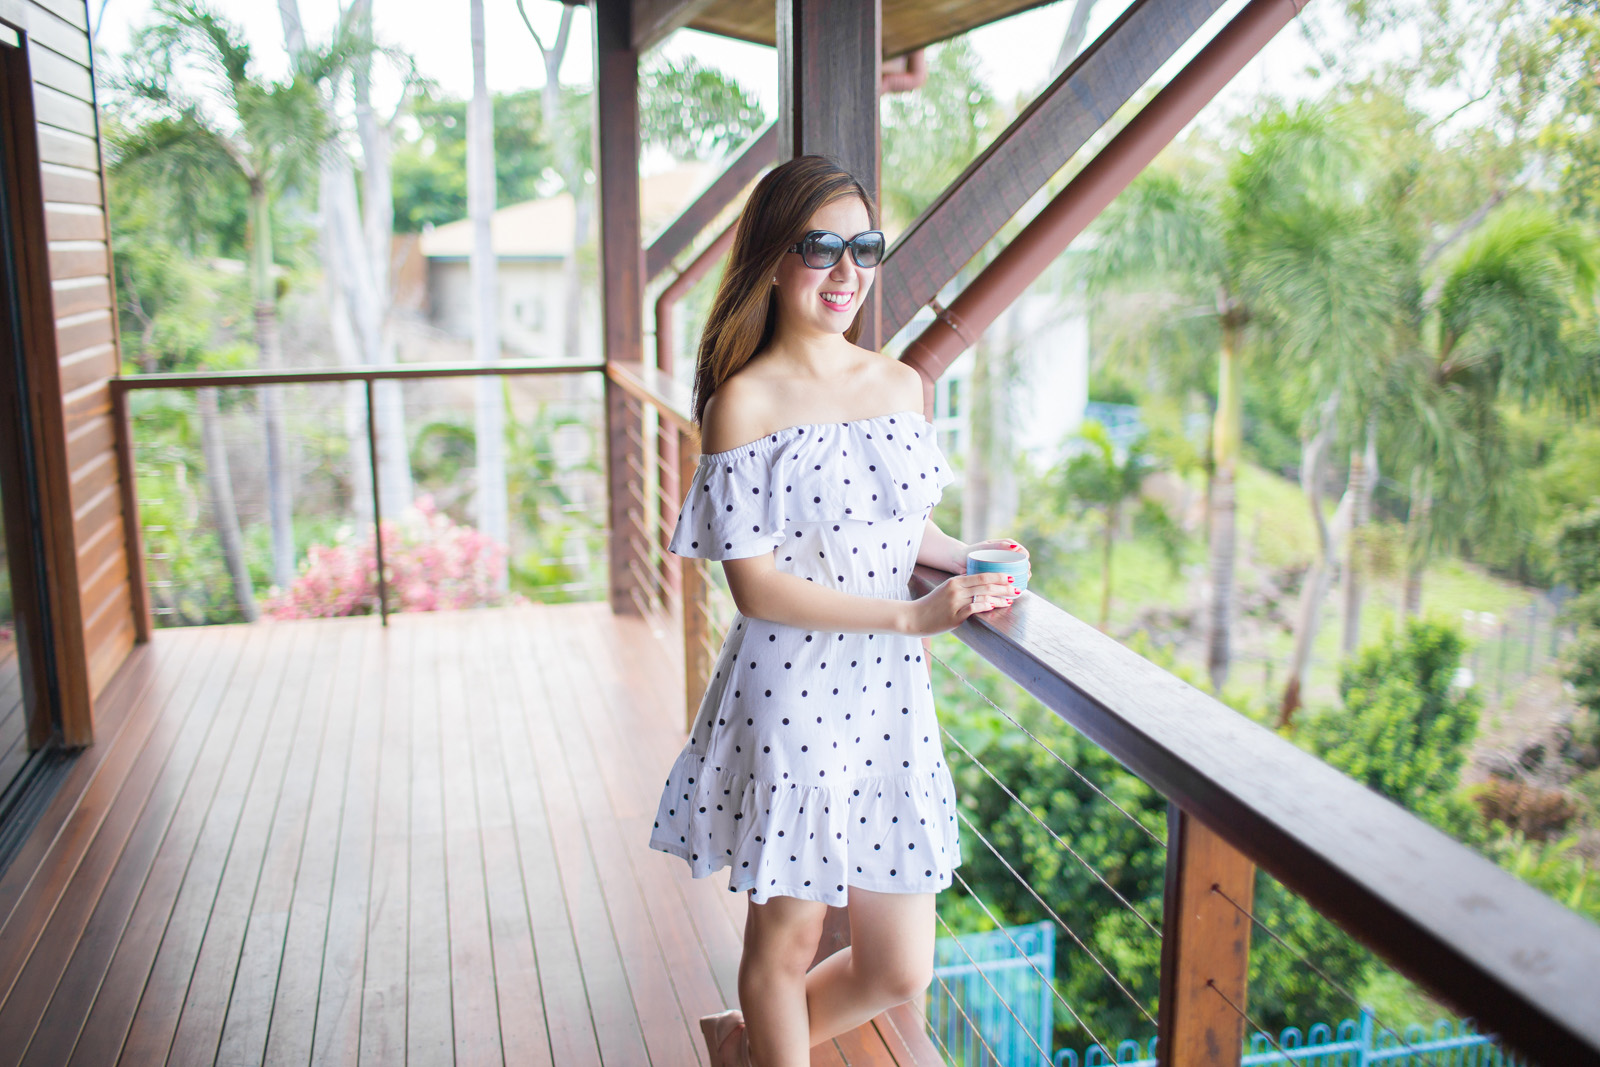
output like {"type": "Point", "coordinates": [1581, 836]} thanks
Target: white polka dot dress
{"type": "Point", "coordinates": [814, 763]}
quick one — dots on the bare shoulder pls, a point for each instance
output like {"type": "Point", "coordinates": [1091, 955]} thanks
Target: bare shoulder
{"type": "Point", "coordinates": [902, 382]}
{"type": "Point", "coordinates": [739, 411]}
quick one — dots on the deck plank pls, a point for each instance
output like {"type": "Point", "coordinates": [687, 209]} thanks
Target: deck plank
{"type": "Point", "coordinates": [475, 1006]}
{"type": "Point", "coordinates": [88, 917]}
{"type": "Point", "coordinates": [430, 1031]}
{"type": "Point", "coordinates": [617, 1027]}
{"type": "Point", "coordinates": [568, 1018]}
{"type": "Point", "coordinates": [666, 1030]}
{"type": "Point", "coordinates": [261, 744]}
{"type": "Point", "coordinates": [332, 842]}
{"type": "Point", "coordinates": [523, 1034]}
{"type": "Point", "coordinates": [261, 861]}
{"type": "Point", "coordinates": [316, 1017]}
{"type": "Point", "coordinates": [125, 973]}
{"type": "Point", "coordinates": [286, 1035]}
{"type": "Point", "coordinates": [384, 981]}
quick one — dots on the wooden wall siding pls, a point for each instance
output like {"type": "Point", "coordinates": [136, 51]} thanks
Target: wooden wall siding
{"type": "Point", "coordinates": [86, 351]}
{"type": "Point", "coordinates": [326, 841]}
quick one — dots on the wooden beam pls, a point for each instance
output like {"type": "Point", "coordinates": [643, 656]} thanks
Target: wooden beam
{"type": "Point", "coordinates": [616, 66]}
{"type": "Point", "coordinates": [757, 153]}
{"type": "Point", "coordinates": [829, 55]}
{"type": "Point", "coordinates": [1205, 947]}
{"type": "Point", "coordinates": [1033, 148]}
{"type": "Point", "coordinates": [653, 20]}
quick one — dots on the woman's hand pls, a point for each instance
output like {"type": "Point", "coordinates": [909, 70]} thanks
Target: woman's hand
{"type": "Point", "coordinates": [1004, 544]}
{"type": "Point", "coordinates": [954, 600]}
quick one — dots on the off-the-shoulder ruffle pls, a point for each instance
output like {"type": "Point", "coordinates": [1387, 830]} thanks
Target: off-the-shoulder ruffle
{"type": "Point", "coordinates": [790, 840]}
{"type": "Point", "coordinates": [742, 500]}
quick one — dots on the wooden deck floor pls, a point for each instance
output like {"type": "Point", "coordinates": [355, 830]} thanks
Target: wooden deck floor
{"type": "Point", "coordinates": [323, 842]}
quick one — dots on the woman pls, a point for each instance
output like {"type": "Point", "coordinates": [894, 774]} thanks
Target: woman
{"type": "Point", "coordinates": [814, 767]}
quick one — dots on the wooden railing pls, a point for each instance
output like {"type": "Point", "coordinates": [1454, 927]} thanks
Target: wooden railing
{"type": "Point", "coordinates": [1239, 796]}
{"type": "Point", "coordinates": [369, 376]}
{"type": "Point", "coordinates": [669, 586]}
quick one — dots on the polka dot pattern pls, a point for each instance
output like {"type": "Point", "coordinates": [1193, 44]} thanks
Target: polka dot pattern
{"type": "Point", "coordinates": [814, 763]}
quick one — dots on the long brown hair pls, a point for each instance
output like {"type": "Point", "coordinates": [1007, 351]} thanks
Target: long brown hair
{"type": "Point", "coordinates": [744, 312]}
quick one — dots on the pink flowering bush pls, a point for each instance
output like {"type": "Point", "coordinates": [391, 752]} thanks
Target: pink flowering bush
{"type": "Point", "coordinates": [433, 563]}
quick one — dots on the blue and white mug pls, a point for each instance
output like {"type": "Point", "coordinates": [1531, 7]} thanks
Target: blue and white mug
{"type": "Point", "coordinates": [1002, 560]}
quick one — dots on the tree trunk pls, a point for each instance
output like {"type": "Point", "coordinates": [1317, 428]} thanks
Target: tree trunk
{"type": "Point", "coordinates": [1416, 543]}
{"type": "Point", "coordinates": [1072, 41]}
{"type": "Point", "coordinates": [1363, 476]}
{"type": "Point", "coordinates": [1225, 437]}
{"type": "Point", "coordinates": [1105, 571]}
{"type": "Point", "coordinates": [491, 480]}
{"type": "Point", "coordinates": [280, 506]}
{"type": "Point", "coordinates": [357, 250]}
{"type": "Point", "coordinates": [219, 483]}
{"type": "Point", "coordinates": [377, 208]}
{"type": "Point", "coordinates": [1315, 589]}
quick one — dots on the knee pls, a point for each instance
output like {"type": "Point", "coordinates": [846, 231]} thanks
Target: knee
{"type": "Point", "coordinates": [785, 948]}
{"type": "Point", "coordinates": [897, 981]}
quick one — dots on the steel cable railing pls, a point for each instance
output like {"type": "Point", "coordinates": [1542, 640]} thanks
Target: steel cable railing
{"type": "Point", "coordinates": [1102, 794]}
{"type": "Point", "coordinates": [1046, 979]}
{"type": "Point", "coordinates": [1044, 1053]}
{"type": "Point", "coordinates": [1058, 920]}
{"type": "Point", "coordinates": [972, 1028]}
{"type": "Point", "coordinates": [1124, 901]}
{"type": "Point", "coordinates": [1333, 983]}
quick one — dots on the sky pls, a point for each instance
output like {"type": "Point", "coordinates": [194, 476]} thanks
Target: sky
{"type": "Point", "coordinates": [1016, 53]}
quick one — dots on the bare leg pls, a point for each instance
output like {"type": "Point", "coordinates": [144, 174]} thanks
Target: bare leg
{"type": "Point", "coordinates": [780, 937]}
{"type": "Point", "coordinates": [787, 1010]}
{"type": "Point", "coordinates": [889, 961]}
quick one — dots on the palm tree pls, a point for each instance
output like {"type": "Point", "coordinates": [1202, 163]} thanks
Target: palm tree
{"type": "Point", "coordinates": [1097, 478]}
{"type": "Point", "coordinates": [268, 133]}
{"type": "Point", "coordinates": [1503, 322]}
{"type": "Point", "coordinates": [1261, 253]}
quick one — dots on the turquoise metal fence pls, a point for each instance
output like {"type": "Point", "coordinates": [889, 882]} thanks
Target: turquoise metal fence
{"type": "Point", "coordinates": [1359, 1042]}
{"type": "Point", "coordinates": [990, 1003]}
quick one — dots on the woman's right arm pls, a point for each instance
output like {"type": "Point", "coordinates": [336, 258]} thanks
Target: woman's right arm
{"type": "Point", "coordinates": [761, 591]}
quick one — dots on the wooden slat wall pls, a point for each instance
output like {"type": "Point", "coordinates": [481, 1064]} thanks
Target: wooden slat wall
{"type": "Point", "coordinates": [86, 353]}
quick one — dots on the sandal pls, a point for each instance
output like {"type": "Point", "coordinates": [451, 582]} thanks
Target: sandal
{"type": "Point", "coordinates": [715, 1029]}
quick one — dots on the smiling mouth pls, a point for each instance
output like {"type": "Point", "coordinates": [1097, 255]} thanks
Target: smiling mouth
{"type": "Point", "coordinates": [837, 301]}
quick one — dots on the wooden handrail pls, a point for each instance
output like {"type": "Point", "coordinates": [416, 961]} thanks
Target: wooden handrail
{"type": "Point", "coordinates": [1519, 962]}
{"type": "Point", "coordinates": [397, 372]}
{"type": "Point", "coordinates": [662, 392]}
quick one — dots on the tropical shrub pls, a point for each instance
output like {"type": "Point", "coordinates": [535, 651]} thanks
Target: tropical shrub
{"type": "Point", "coordinates": [434, 564]}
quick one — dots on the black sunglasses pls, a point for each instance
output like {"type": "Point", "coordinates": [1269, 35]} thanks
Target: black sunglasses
{"type": "Point", "coordinates": [822, 248]}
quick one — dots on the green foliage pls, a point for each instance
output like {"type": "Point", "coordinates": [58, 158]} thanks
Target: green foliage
{"type": "Point", "coordinates": [1405, 727]}
{"type": "Point", "coordinates": [694, 111]}
{"type": "Point", "coordinates": [1550, 867]}
{"type": "Point", "coordinates": [932, 133]}
{"type": "Point", "coordinates": [430, 158]}
{"type": "Point", "coordinates": [1578, 563]}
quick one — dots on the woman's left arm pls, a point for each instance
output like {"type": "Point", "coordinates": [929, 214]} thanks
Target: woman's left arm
{"type": "Point", "coordinates": [941, 551]}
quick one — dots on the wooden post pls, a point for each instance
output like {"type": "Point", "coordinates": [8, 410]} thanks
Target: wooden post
{"type": "Point", "coordinates": [1205, 947]}
{"type": "Point", "coordinates": [830, 53]}
{"type": "Point", "coordinates": [616, 67]}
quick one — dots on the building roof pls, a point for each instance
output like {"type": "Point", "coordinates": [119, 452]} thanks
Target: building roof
{"type": "Point", "coordinates": [543, 228]}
